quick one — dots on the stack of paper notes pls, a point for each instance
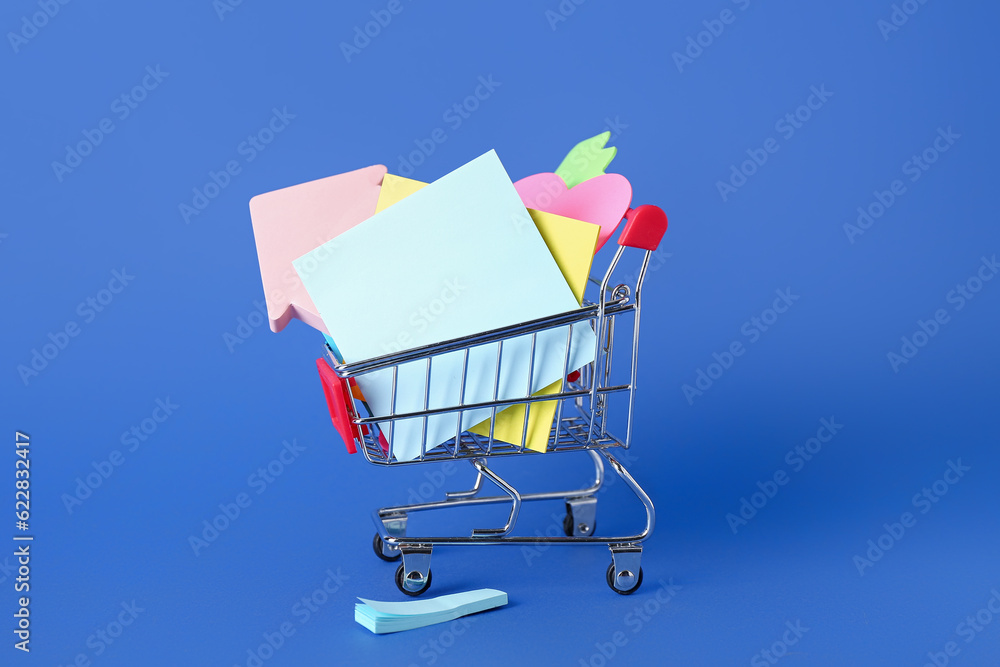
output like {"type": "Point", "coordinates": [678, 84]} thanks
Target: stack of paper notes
{"type": "Point", "coordinates": [384, 617]}
{"type": "Point", "coordinates": [571, 243]}
{"type": "Point", "coordinates": [383, 264]}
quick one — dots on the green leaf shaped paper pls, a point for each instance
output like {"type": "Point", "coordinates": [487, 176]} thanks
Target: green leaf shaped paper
{"type": "Point", "coordinates": [588, 159]}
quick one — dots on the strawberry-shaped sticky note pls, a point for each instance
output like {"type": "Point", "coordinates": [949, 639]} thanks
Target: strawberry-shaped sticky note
{"type": "Point", "coordinates": [602, 200]}
{"type": "Point", "coordinates": [588, 159]}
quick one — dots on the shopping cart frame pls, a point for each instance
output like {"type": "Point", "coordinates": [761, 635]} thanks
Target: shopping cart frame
{"type": "Point", "coordinates": [587, 391]}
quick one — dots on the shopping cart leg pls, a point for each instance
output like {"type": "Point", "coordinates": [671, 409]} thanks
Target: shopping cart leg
{"type": "Point", "coordinates": [515, 506]}
{"type": "Point", "coordinates": [598, 471]}
{"type": "Point", "coordinates": [413, 576]}
{"type": "Point", "coordinates": [455, 495]}
{"type": "Point", "coordinates": [622, 472]}
{"type": "Point", "coordinates": [624, 575]}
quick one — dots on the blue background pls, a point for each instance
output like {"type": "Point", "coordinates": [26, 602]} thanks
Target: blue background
{"type": "Point", "coordinates": [679, 131]}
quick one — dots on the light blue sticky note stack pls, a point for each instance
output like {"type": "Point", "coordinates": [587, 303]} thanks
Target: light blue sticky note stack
{"type": "Point", "coordinates": [383, 617]}
{"type": "Point", "coordinates": [459, 257]}
{"type": "Point", "coordinates": [333, 348]}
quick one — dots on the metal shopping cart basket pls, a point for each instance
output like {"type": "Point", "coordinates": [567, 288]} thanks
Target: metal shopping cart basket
{"type": "Point", "coordinates": [580, 424]}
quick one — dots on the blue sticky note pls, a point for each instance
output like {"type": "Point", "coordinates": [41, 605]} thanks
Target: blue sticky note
{"type": "Point", "coordinates": [459, 257]}
{"type": "Point", "coordinates": [384, 617]}
{"type": "Point", "coordinates": [334, 349]}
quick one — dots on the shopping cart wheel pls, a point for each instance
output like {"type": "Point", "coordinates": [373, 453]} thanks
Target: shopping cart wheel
{"type": "Point", "coordinates": [402, 585]}
{"type": "Point", "coordinates": [574, 529]}
{"type": "Point", "coordinates": [386, 552]}
{"type": "Point", "coordinates": [623, 576]}
{"type": "Point", "coordinates": [581, 516]}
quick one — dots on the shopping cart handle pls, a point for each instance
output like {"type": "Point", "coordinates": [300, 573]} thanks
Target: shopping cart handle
{"type": "Point", "coordinates": [644, 227]}
{"type": "Point", "coordinates": [337, 401]}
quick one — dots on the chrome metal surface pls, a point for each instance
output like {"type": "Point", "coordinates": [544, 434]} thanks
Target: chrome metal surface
{"type": "Point", "coordinates": [507, 538]}
{"type": "Point", "coordinates": [515, 506]}
{"type": "Point", "coordinates": [581, 515]}
{"type": "Point", "coordinates": [416, 567]}
{"type": "Point", "coordinates": [584, 410]}
{"type": "Point", "coordinates": [455, 495]}
{"type": "Point", "coordinates": [627, 560]}
{"type": "Point", "coordinates": [394, 523]}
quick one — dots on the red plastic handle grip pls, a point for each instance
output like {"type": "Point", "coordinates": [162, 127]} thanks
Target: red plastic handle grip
{"type": "Point", "coordinates": [644, 227]}
{"type": "Point", "coordinates": [337, 396]}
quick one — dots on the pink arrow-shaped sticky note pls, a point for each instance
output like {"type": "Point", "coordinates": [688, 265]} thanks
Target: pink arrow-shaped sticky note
{"type": "Point", "coordinates": [290, 222]}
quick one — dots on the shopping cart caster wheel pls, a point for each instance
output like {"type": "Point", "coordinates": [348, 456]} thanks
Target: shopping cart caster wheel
{"type": "Point", "coordinates": [402, 585]}
{"type": "Point", "coordinates": [625, 578]}
{"type": "Point", "coordinates": [384, 551]}
{"type": "Point", "coordinates": [574, 529]}
{"type": "Point", "coordinates": [581, 516]}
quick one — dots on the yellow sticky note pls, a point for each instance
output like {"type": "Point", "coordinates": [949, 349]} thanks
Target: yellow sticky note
{"type": "Point", "coordinates": [572, 244]}
{"type": "Point", "coordinates": [510, 422]}
{"type": "Point", "coordinates": [395, 188]}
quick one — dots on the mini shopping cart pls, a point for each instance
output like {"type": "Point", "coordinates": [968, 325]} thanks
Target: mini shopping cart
{"type": "Point", "coordinates": [580, 424]}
